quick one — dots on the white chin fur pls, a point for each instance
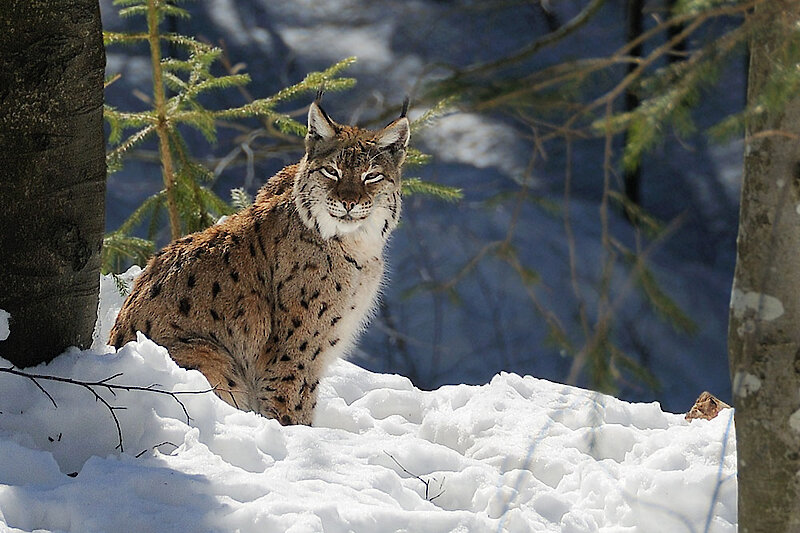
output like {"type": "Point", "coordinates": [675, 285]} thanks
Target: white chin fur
{"type": "Point", "coordinates": [330, 226]}
{"type": "Point", "coordinates": [367, 229]}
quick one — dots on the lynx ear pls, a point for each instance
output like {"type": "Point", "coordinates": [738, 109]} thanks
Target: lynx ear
{"type": "Point", "coordinates": [320, 125]}
{"type": "Point", "coordinates": [397, 132]}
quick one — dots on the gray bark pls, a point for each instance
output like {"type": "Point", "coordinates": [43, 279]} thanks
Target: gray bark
{"type": "Point", "coordinates": [52, 174]}
{"type": "Point", "coordinates": [764, 327]}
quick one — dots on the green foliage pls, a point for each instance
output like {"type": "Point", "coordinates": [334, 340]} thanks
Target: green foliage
{"type": "Point", "coordinates": [240, 199]}
{"type": "Point", "coordinates": [123, 287]}
{"type": "Point", "coordinates": [429, 117]}
{"type": "Point", "coordinates": [188, 200]}
{"type": "Point", "coordinates": [117, 248]}
{"type": "Point", "coordinates": [415, 158]}
{"type": "Point", "coordinates": [667, 98]}
{"type": "Point", "coordinates": [442, 192]}
{"type": "Point", "coordinates": [186, 197]}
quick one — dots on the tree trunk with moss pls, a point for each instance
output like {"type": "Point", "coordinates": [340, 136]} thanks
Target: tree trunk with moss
{"type": "Point", "coordinates": [52, 174]}
{"type": "Point", "coordinates": [764, 328]}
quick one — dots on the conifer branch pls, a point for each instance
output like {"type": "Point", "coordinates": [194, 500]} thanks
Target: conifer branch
{"type": "Point", "coordinates": [240, 198]}
{"type": "Point", "coordinates": [443, 192]}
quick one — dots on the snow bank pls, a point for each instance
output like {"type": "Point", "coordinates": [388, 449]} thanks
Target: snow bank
{"type": "Point", "coordinates": [518, 454]}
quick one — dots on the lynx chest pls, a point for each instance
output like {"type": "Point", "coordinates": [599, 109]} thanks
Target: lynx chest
{"type": "Point", "coordinates": [324, 300]}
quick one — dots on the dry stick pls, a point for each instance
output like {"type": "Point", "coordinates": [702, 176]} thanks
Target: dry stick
{"type": "Point", "coordinates": [111, 387]}
{"type": "Point", "coordinates": [603, 309]}
{"type": "Point", "coordinates": [162, 127]}
{"type": "Point", "coordinates": [603, 320]}
{"type": "Point", "coordinates": [610, 258]}
{"type": "Point", "coordinates": [502, 248]}
{"type": "Point", "coordinates": [575, 23]}
{"type": "Point", "coordinates": [111, 80]}
{"type": "Point", "coordinates": [425, 482]}
{"type": "Point", "coordinates": [396, 341]}
{"type": "Point", "coordinates": [659, 52]}
{"type": "Point", "coordinates": [513, 260]}
{"type": "Point", "coordinates": [770, 133]}
{"type": "Point", "coordinates": [584, 67]}
{"type": "Point", "coordinates": [556, 75]}
{"type": "Point", "coordinates": [141, 453]}
{"type": "Point", "coordinates": [573, 273]}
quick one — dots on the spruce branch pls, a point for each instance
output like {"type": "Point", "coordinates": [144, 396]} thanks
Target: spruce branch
{"type": "Point", "coordinates": [240, 198]}
{"type": "Point", "coordinates": [442, 192]}
{"type": "Point", "coordinates": [415, 158]}
{"type": "Point", "coordinates": [110, 38]}
{"type": "Point", "coordinates": [123, 287]}
{"type": "Point", "coordinates": [114, 157]}
{"type": "Point", "coordinates": [138, 215]}
{"type": "Point", "coordinates": [117, 246]}
{"type": "Point", "coordinates": [430, 116]}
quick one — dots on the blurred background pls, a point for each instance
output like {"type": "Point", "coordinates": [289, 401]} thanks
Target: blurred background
{"type": "Point", "coordinates": [594, 239]}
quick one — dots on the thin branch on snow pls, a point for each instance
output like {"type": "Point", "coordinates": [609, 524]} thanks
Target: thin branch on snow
{"type": "Point", "coordinates": [153, 448]}
{"type": "Point", "coordinates": [91, 386]}
{"type": "Point", "coordinates": [426, 482]}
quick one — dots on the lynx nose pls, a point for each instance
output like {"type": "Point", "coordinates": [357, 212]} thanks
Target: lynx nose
{"type": "Point", "coordinates": [349, 205]}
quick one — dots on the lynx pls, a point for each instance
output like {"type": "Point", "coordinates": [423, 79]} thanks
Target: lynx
{"type": "Point", "coordinates": [263, 302]}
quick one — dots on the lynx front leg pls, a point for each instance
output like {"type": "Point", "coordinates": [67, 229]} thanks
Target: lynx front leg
{"type": "Point", "coordinates": [289, 387]}
{"type": "Point", "coordinates": [216, 364]}
{"type": "Point", "coordinates": [294, 401]}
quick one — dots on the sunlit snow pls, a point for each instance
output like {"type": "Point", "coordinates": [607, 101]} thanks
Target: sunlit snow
{"type": "Point", "coordinates": [518, 454]}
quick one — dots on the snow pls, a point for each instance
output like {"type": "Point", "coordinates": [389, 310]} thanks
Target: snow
{"type": "Point", "coordinates": [517, 454]}
{"type": "Point", "coordinates": [4, 328]}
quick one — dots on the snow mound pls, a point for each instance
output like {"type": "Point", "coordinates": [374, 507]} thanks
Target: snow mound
{"type": "Point", "coordinates": [518, 454]}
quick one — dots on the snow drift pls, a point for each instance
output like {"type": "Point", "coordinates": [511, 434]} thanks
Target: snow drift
{"type": "Point", "coordinates": [518, 454]}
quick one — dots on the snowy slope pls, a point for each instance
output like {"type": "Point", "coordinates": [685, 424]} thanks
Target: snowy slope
{"type": "Point", "coordinates": [518, 454]}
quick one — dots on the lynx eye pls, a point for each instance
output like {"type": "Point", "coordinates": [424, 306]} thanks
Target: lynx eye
{"type": "Point", "coordinates": [330, 172]}
{"type": "Point", "coordinates": [373, 177]}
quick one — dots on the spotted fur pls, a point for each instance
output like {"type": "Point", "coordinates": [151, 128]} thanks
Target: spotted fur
{"type": "Point", "coordinates": [263, 302]}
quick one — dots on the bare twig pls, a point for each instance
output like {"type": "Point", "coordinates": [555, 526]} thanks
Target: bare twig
{"type": "Point", "coordinates": [571, 26]}
{"type": "Point", "coordinates": [426, 482]}
{"type": "Point", "coordinates": [571, 249]}
{"type": "Point", "coordinates": [91, 386]}
{"type": "Point", "coordinates": [141, 453]}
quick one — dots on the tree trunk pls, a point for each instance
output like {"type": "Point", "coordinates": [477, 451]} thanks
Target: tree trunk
{"type": "Point", "coordinates": [764, 327]}
{"type": "Point", "coordinates": [52, 174]}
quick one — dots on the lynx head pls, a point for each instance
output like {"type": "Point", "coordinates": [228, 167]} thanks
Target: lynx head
{"type": "Point", "coordinates": [349, 181]}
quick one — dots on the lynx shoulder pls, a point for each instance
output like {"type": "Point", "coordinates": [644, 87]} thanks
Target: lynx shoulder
{"type": "Point", "coordinates": [262, 303]}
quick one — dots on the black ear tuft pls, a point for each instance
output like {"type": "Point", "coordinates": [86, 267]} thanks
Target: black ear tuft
{"type": "Point", "coordinates": [320, 93]}
{"type": "Point", "coordinates": [404, 111]}
{"type": "Point", "coordinates": [320, 125]}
